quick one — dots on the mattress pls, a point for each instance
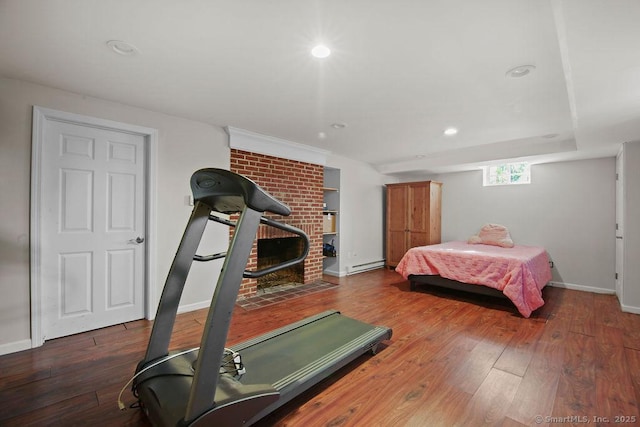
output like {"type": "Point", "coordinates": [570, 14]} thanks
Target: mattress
{"type": "Point", "coordinates": [520, 273]}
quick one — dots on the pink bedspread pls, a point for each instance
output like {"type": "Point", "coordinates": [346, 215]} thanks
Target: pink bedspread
{"type": "Point", "coordinates": [519, 272]}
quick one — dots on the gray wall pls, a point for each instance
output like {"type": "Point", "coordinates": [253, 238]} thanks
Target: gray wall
{"type": "Point", "coordinates": [569, 208]}
{"type": "Point", "coordinates": [631, 209]}
{"type": "Point", "coordinates": [183, 147]}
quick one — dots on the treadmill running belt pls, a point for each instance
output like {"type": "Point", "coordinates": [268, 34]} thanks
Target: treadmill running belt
{"type": "Point", "coordinates": [287, 353]}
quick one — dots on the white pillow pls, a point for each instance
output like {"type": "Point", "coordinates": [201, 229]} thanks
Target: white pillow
{"type": "Point", "coordinates": [492, 234]}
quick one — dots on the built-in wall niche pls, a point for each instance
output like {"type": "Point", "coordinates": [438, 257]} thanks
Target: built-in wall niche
{"type": "Point", "coordinates": [331, 222]}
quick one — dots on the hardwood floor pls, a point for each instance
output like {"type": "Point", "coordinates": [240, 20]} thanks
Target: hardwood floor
{"type": "Point", "coordinates": [454, 359]}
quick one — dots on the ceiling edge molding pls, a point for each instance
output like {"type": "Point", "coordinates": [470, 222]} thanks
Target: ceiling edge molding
{"type": "Point", "coordinates": [245, 140]}
{"type": "Point", "coordinates": [504, 151]}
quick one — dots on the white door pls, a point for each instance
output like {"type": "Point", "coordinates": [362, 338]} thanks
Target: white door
{"type": "Point", "coordinates": [92, 228]}
{"type": "Point", "coordinates": [619, 226]}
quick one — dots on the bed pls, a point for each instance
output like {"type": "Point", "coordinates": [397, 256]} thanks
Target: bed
{"type": "Point", "coordinates": [519, 272]}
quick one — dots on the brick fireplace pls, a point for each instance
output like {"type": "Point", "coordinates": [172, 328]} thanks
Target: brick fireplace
{"type": "Point", "coordinates": [299, 185]}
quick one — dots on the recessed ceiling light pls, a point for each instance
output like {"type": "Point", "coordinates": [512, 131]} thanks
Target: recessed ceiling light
{"type": "Point", "coordinates": [450, 131]}
{"type": "Point", "coordinates": [338, 125]}
{"type": "Point", "coordinates": [322, 135]}
{"type": "Point", "coordinates": [122, 48]}
{"type": "Point", "coordinates": [520, 71]}
{"type": "Point", "coordinates": [320, 51]}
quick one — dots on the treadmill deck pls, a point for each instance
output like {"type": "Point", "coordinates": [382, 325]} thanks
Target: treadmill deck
{"type": "Point", "coordinates": [290, 360]}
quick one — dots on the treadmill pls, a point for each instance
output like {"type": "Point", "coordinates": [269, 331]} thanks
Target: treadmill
{"type": "Point", "coordinates": [214, 385]}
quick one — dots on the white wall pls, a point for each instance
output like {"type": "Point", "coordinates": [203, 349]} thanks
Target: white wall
{"type": "Point", "coordinates": [361, 212]}
{"type": "Point", "coordinates": [569, 208]}
{"type": "Point", "coordinates": [183, 147]}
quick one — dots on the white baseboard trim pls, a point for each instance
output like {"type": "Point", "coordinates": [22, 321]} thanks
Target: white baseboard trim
{"type": "Point", "coordinates": [630, 309]}
{"type": "Point", "coordinates": [14, 347]}
{"type": "Point", "coordinates": [583, 288]}
{"type": "Point", "coordinates": [193, 307]}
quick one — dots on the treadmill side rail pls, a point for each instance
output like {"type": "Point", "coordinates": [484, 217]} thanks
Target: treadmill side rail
{"type": "Point", "coordinates": [236, 406]}
{"type": "Point", "coordinates": [293, 376]}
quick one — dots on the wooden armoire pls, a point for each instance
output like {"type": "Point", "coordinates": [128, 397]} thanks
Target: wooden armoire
{"type": "Point", "coordinates": [413, 217]}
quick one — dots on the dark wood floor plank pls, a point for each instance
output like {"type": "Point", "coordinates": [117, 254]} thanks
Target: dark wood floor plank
{"type": "Point", "coordinates": [490, 402]}
{"type": "Point", "coordinates": [566, 303]}
{"type": "Point", "coordinates": [516, 356]}
{"type": "Point", "coordinates": [453, 357]}
{"type": "Point", "coordinates": [105, 416]}
{"type": "Point", "coordinates": [442, 409]}
{"type": "Point", "coordinates": [552, 299]}
{"type": "Point", "coordinates": [481, 359]}
{"type": "Point", "coordinates": [607, 310]}
{"type": "Point", "coordinates": [576, 394]}
{"type": "Point", "coordinates": [633, 363]}
{"type": "Point", "coordinates": [583, 321]}
{"type": "Point", "coordinates": [24, 377]}
{"type": "Point", "coordinates": [54, 414]}
{"type": "Point", "coordinates": [52, 352]}
{"type": "Point", "coordinates": [63, 387]}
{"type": "Point", "coordinates": [537, 391]}
{"type": "Point", "coordinates": [615, 393]}
{"type": "Point", "coordinates": [631, 329]}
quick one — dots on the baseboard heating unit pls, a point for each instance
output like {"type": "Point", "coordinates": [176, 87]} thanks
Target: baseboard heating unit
{"type": "Point", "coordinates": [359, 268]}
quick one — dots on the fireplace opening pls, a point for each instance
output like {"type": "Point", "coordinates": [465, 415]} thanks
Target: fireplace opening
{"type": "Point", "coordinates": [274, 251]}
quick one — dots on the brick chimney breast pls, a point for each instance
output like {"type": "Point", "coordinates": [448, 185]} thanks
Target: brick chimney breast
{"type": "Point", "coordinates": [299, 185]}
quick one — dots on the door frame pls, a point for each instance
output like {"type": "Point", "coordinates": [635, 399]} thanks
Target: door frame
{"type": "Point", "coordinates": [619, 232]}
{"type": "Point", "coordinates": [40, 116]}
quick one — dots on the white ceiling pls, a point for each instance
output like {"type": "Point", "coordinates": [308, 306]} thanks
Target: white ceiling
{"type": "Point", "coordinates": [399, 74]}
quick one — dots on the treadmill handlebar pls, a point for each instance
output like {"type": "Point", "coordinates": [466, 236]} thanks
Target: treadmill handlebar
{"type": "Point", "coordinates": [227, 192]}
{"type": "Point", "coordinates": [286, 264]}
{"type": "Point", "coordinates": [205, 258]}
{"type": "Point", "coordinates": [271, 269]}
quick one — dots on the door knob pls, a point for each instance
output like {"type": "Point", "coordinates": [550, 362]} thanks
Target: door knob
{"type": "Point", "coordinates": [137, 240]}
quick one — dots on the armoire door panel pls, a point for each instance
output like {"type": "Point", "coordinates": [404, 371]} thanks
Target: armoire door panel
{"type": "Point", "coordinates": [413, 217]}
{"type": "Point", "coordinates": [419, 209]}
{"type": "Point", "coordinates": [396, 247]}
{"type": "Point", "coordinates": [396, 216]}
{"type": "Point", "coordinates": [418, 239]}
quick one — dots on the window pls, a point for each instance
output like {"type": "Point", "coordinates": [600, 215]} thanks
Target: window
{"type": "Point", "coordinates": [507, 173]}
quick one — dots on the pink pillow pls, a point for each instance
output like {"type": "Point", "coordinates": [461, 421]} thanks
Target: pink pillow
{"type": "Point", "coordinates": [493, 234]}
